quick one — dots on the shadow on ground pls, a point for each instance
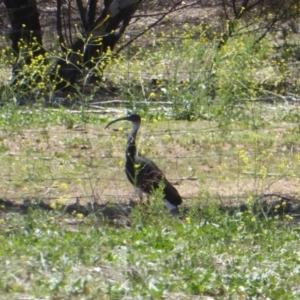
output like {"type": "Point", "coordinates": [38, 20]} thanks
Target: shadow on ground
{"type": "Point", "coordinates": [264, 205]}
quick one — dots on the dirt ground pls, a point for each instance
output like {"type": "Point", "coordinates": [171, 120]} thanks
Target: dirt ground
{"type": "Point", "coordinates": [82, 170]}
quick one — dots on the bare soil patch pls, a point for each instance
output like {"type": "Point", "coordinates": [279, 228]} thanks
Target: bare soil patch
{"type": "Point", "coordinates": [84, 165]}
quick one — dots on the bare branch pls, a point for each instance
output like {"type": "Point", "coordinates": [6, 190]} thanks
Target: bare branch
{"type": "Point", "coordinates": [224, 9]}
{"type": "Point", "coordinates": [92, 6]}
{"type": "Point", "coordinates": [82, 13]}
{"type": "Point", "coordinates": [59, 26]}
{"type": "Point", "coordinates": [236, 13]}
{"type": "Point", "coordinates": [254, 4]}
{"type": "Point", "coordinates": [245, 3]}
{"type": "Point", "coordinates": [69, 20]}
{"type": "Point", "coordinates": [172, 9]}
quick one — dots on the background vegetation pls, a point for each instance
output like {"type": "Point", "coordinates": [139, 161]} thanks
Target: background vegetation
{"type": "Point", "coordinates": [217, 85]}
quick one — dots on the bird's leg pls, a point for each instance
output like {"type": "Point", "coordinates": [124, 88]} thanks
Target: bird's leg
{"type": "Point", "coordinates": [148, 199]}
{"type": "Point", "coordinates": [139, 193]}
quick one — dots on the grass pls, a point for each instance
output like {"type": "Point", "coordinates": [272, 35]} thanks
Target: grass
{"type": "Point", "coordinates": [206, 253]}
{"type": "Point", "coordinates": [208, 125]}
{"type": "Point", "coordinates": [43, 156]}
{"type": "Point", "coordinates": [209, 254]}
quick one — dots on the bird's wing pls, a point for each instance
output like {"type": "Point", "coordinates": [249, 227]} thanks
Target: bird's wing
{"type": "Point", "coordinates": [171, 193]}
{"type": "Point", "coordinates": [150, 176]}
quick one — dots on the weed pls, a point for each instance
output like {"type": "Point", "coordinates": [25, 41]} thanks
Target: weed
{"type": "Point", "coordinates": [238, 147]}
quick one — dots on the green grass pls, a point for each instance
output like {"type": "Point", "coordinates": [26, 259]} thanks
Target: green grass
{"type": "Point", "coordinates": [201, 253]}
{"type": "Point", "coordinates": [183, 75]}
{"type": "Point", "coordinates": [208, 254]}
{"type": "Point", "coordinates": [208, 126]}
{"type": "Point", "coordinates": [43, 156]}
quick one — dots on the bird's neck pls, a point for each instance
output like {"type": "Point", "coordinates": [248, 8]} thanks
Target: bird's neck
{"type": "Point", "coordinates": [131, 147]}
{"type": "Point", "coordinates": [133, 133]}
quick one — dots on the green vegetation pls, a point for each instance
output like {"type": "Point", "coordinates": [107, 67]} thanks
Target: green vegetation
{"type": "Point", "coordinates": [151, 254]}
{"type": "Point", "coordinates": [243, 141]}
{"type": "Point", "coordinates": [208, 253]}
{"type": "Point", "coordinates": [182, 71]}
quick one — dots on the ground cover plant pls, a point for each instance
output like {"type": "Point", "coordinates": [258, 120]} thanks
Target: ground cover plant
{"type": "Point", "coordinates": [148, 253]}
{"type": "Point", "coordinates": [209, 254]}
{"type": "Point", "coordinates": [52, 160]}
{"type": "Point", "coordinates": [221, 122]}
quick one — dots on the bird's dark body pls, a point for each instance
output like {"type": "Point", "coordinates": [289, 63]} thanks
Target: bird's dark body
{"type": "Point", "coordinates": [145, 175]}
{"type": "Point", "coordinates": [142, 172]}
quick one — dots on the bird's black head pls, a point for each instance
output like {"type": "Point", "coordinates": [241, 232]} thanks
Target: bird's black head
{"type": "Point", "coordinates": [134, 118]}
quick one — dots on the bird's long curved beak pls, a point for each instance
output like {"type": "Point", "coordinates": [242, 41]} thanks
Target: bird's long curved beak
{"type": "Point", "coordinates": [116, 120]}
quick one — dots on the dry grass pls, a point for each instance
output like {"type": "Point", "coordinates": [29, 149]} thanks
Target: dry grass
{"type": "Point", "coordinates": [86, 162]}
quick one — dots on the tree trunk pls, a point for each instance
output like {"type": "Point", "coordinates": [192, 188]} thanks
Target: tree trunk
{"type": "Point", "coordinates": [98, 36]}
{"type": "Point", "coordinates": [26, 29]}
{"type": "Point", "coordinates": [109, 27]}
{"type": "Point", "coordinates": [25, 24]}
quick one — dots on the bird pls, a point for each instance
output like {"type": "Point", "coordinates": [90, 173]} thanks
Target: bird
{"type": "Point", "coordinates": [143, 173]}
